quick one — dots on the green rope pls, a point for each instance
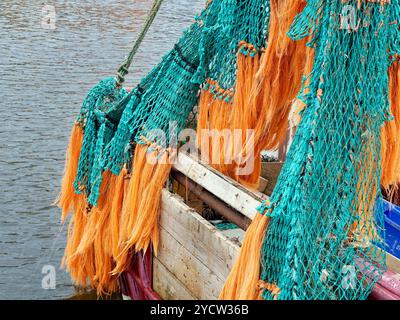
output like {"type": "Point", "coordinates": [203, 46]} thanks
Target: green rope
{"type": "Point", "coordinates": [124, 68]}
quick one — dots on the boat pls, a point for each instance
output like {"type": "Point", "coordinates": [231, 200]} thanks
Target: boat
{"type": "Point", "coordinates": [195, 256]}
{"type": "Point", "coordinates": [320, 219]}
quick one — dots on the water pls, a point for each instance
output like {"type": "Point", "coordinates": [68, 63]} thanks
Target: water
{"type": "Point", "coordinates": [45, 74]}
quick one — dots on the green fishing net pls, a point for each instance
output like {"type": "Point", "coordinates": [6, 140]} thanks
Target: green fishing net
{"type": "Point", "coordinates": [229, 23]}
{"type": "Point", "coordinates": [113, 118]}
{"type": "Point", "coordinates": [99, 130]}
{"type": "Point", "coordinates": [118, 152]}
{"type": "Point", "coordinates": [161, 104]}
{"type": "Point", "coordinates": [326, 223]}
{"type": "Point", "coordinates": [159, 107]}
{"type": "Point", "coordinates": [164, 98]}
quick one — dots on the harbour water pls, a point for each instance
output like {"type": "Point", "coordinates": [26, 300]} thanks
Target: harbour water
{"type": "Point", "coordinates": [47, 66]}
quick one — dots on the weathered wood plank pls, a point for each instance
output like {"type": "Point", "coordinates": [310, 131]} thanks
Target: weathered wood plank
{"type": "Point", "coordinates": [198, 235]}
{"type": "Point", "coordinates": [199, 279]}
{"type": "Point", "coordinates": [228, 190]}
{"type": "Point", "coordinates": [167, 285]}
{"type": "Point", "coordinates": [271, 171]}
{"type": "Point", "coordinates": [194, 257]}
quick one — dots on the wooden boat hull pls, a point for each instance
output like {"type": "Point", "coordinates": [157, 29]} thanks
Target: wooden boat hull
{"type": "Point", "coordinates": [195, 257]}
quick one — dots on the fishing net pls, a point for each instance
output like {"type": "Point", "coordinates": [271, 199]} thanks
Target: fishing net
{"type": "Point", "coordinates": [323, 221]}
{"type": "Point", "coordinates": [153, 128]}
{"type": "Point", "coordinates": [229, 24]}
{"type": "Point", "coordinates": [166, 95]}
{"type": "Point", "coordinates": [99, 118]}
{"type": "Point", "coordinates": [229, 58]}
{"type": "Point", "coordinates": [111, 117]}
{"type": "Point", "coordinates": [111, 122]}
{"type": "Point", "coordinates": [318, 236]}
{"type": "Point", "coordinates": [216, 33]}
{"type": "Point", "coordinates": [98, 132]}
{"type": "Point", "coordinates": [253, 74]}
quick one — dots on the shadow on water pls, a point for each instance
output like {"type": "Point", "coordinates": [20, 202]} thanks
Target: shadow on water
{"type": "Point", "coordinates": [45, 74]}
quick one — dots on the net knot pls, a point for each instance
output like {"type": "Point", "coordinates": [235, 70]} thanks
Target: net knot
{"type": "Point", "coordinates": [271, 287]}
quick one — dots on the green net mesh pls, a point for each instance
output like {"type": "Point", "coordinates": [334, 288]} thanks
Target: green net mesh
{"type": "Point", "coordinates": [168, 94]}
{"type": "Point", "coordinates": [207, 50]}
{"type": "Point", "coordinates": [98, 132]}
{"type": "Point", "coordinates": [229, 23]}
{"type": "Point", "coordinates": [173, 94]}
{"type": "Point", "coordinates": [171, 100]}
{"type": "Point", "coordinates": [113, 118]}
{"type": "Point", "coordinates": [118, 152]}
{"type": "Point", "coordinates": [322, 241]}
{"type": "Point", "coordinates": [164, 99]}
{"type": "Point", "coordinates": [326, 223]}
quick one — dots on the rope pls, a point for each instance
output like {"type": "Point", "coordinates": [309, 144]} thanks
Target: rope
{"type": "Point", "coordinates": [124, 68]}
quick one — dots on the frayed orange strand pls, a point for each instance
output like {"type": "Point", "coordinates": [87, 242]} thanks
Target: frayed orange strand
{"type": "Point", "coordinates": [219, 117]}
{"type": "Point", "coordinates": [131, 204]}
{"type": "Point", "coordinates": [213, 118]}
{"type": "Point", "coordinates": [106, 282]}
{"type": "Point", "coordinates": [244, 118]}
{"type": "Point", "coordinates": [390, 133]}
{"type": "Point", "coordinates": [252, 180]}
{"type": "Point", "coordinates": [103, 249]}
{"type": "Point", "coordinates": [279, 77]}
{"type": "Point", "coordinates": [68, 198]}
{"type": "Point", "coordinates": [89, 252]}
{"type": "Point", "coordinates": [244, 115]}
{"type": "Point", "coordinates": [221, 114]}
{"type": "Point", "coordinates": [265, 90]}
{"type": "Point", "coordinates": [202, 116]}
{"type": "Point", "coordinates": [129, 209]}
{"type": "Point", "coordinates": [75, 232]}
{"type": "Point", "coordinates": [242, 282]}
{"type": "Point", "coordinates": [116, 209]}
{"type": "Point", "coordinates": [146, 229]}
{"type": "Point", "coordinates": [142, 204]}
{"type": "Point", "coordinates": [276, 84]}
{"type": "Point", "coordinates": [97, 215]}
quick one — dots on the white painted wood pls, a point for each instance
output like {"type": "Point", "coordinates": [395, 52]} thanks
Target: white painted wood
{"type": "Point", "coordinates": [198, 235]}
{"type": "Point", "coordinates": [167, 285]}
{"type": "Point", "coordinates": [228, 190]}
{"type": "Point", "coordinates": [194, 257]}
{"type": "Point", "coordinates": [199, 279]}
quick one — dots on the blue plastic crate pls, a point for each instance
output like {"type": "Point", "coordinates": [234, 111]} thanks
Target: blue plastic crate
{"type": "Point", "coordinates": [392, 226]}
